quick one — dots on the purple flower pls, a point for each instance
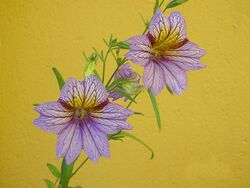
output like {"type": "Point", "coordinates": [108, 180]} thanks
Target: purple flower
{"type": "Point", "coordinates": [82, 117]}
{"type": "Point", "coordinates": [129, 81]}
{"type": "Point", "coordinates": [165, 53]}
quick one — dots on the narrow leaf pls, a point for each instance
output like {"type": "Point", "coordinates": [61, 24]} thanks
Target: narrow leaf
{"type": "Point", "coordinates": [169, 90]}
{"type": "Point", "coordinates": [123, 45]}
{"type": "Point", "coordinates": [125, 95]}
{"type": "Point", "coordinates": [36, 104]}
{"type": "Point", "coordinates": [49, 183]}
{"type": "Point", "coordinates": [58, 77]}
{"type": "Point", "coordinates": [156, 109]}
{"type": "Point", "coordinates": [123, 133]}
{"type": "Point", "coordinates": [89, 68]}
{"type": "Point", "coordinates": [85, 56]}
{"type": "Point", "coordinates": [97, 75]}
{"type": "Point", "coordinates": [138, 113]}
{"type": "Point", "coordinates": [175, 3]}
{"type": "Point", "coordinates": [156, 6]}
{"type": "Point", "coordinates": [54, 170]}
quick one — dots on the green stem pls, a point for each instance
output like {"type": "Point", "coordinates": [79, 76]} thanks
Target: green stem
{"type": "Point", "coordinates": [80, 166]}
{"type": "Point", "coordinates": [110, 79]}
{"type": "Point", "coordinates": [132, 101]}
{"type": "Point", "coordinates": [66, 171]}
{"type": "Point", "coordinates": [161, 3]}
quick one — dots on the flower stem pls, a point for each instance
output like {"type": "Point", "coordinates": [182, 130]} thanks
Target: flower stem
{"type": "Point", "coordinates": [80, 166]}
{"type": "Point", "coordinates": [132, 101]}
{"type": "Point", "coordinates": [66, 171]}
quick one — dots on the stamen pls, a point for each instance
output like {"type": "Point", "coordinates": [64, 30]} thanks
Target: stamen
{"type": "Point", "coordinates": [80, 113]}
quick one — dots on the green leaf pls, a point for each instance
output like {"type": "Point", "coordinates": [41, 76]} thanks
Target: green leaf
{"type": "Point", "coordinates": [156, 109]}
{"type": "Point", "coordinates": [170, 91]}
{"type": "Point", "coordinates": [97, 75]}
{"type": "Point", "coordinates": [49, 183]}
{"type": "Point", "coordinates": [58, 77]}
{"type": "Point", "coordinates": [175, 3]}
{"type": "Point", "coordinates": [156, 6]}
{"type": "Point", "coordinates": [123, 45]}
{"type": "Point", "coordinates": [85, 56]}
{"type": "Point", "coordinates": [36, 104]}
{"type": "Point", "coordinates": [54, 170]}
{"type": "Point", "coordinates": [125, 95]}
{"type": "Point", "coordinates": [138, 113]}
{"type": "Point", "coordinates": [66, 172]}
{"type": "Point", "coordinates": [89, 68]}
{"type": "Point", "coordinates": [119, 61]}
{"type": "Point", "coordinates": [123, 133]}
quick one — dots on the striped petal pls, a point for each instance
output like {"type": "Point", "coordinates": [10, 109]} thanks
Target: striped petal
{"type": "Point", "coordinates": [166, 33]}
{"type": "Point", "coordinates": [153, 77]}
{"type": "Point", "coordinates": [139, 50]}
{"type": "Point", "coordinates": [53, 117]}
{"type": "Point", "coordinates": [72, 95]}
{"type": "Point", "coordinates": [175, 77]}
{"type": "Point", "coordinates": [94, 92]}
{"type": "Point", "coordinates": [69, 143]}
{"type": "Point", "coordinates": [112, 118]}
{"type": "Point", "coordinates": [187, 56]}
{"type": "Point", "coordinates": [95, 142]}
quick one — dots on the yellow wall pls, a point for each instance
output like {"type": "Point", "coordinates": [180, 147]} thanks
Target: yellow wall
{"type": "Point", "coordinates": [205, 140]}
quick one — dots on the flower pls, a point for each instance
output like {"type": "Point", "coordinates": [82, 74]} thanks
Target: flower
{"type": "Point", "coordinates": [129, 82]}
{"type": "Point", "coordinates": [165, 53]}
{"type": "Point", "coordinates": [82, 117]}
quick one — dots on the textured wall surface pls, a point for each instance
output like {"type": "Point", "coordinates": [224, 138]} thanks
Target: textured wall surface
{"type": "Point", "coordinates": [205, 140]}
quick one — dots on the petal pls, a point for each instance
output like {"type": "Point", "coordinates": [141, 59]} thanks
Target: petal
{"type": "Point", "coordinates": [139, 50]}
{"type": "Point", "coordinates": [175, 77]}
{"type": "Point", "coordinates": [53, 117]}
{"type": "Point", "coordinates": [113, 111]}
{"type": "Point", "coordinates": [114, 95]}
{"type": "Point", "coordinates": [95, 142]}
{"type": "Point", "coordinates": [69, 143]}
{"type": "Point", "coordinates": [72, 94]}
{"type": "Point", "coordinates": [153, 77]}
{"type": "Point", "coordinates": [112, 118]}
{"type": "Point", "coordinates": [167, 33]}
{"type": "Point", "coordinates": [187, 56]}
{"type": "Point", "coordinates": [94, 92]}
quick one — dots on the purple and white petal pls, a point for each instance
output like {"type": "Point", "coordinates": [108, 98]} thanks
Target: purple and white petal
{"type": "Point", "coordinates": [187, 56]}
{"type": "Point", "coordinates": [177, 26]}
{"type": "Point", "coordinates": [112, 111]}
{"type": "Point", "coordinates": [111, 119]}
{"type": "Point", "coordinates": [69, 143]}
{"type": "Point", "coordinates": [53, 117]}
{"type": "Point", "coordinates": [94, 92]}
{"type": "Point", "coordinates": [153, 77]}
{"type": "Point", "coordinates": [139, 50]}
{"type": "Point", "coordinates": [174, 76]}
{"type": "Point", "coordinates": [95, 142]}
{"type": "Point", "coordinates": [72, 94]}
{"type": "Point", "coordinates": [159, 27]}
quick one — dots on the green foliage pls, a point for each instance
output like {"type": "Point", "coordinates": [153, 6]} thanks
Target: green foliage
{"type": "Point", "coordinates": [156, 109]}
{"type": "Point", "coordinates": [59, 77]}
{"type": "Point", "coordinates": [120, 135]}
{"type": "Point", "coordinates": [123, 45]}
{"type": "Point", "coordinates": [49, 183]}
{"type": "Point", "coordinates": [175, 3]}
{"type": "Point", "coordinates": [124, 94]}
{"type": "Point", "coordinates": [54, 170]}
{"type": "Point", "coordinates": [66, 173]}
{"type": "Point", "coordinates": [169, 90]}
{"type": "Point", "coordinates": [156, 6]}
